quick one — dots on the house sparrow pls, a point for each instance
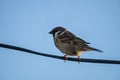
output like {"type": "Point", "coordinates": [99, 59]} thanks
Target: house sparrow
{"type": "Point", "coordinates": [70, 44]}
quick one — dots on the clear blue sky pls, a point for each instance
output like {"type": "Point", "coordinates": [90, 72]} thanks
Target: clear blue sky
{"type": "Point", "coordinates": [26, 23]}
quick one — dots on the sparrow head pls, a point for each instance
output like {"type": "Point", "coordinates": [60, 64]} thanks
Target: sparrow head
{"type": "Point", "coordinates": [58, 29]}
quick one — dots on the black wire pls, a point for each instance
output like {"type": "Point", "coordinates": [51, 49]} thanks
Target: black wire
{"type": "Point", "coordinates": [60, 57]}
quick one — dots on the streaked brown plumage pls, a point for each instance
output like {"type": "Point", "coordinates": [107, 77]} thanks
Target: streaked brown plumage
{"type": "Point", "coordinates": [70, 44]}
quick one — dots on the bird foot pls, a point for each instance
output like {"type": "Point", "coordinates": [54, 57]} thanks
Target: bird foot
{"type": "Point", "coordinates": [78, 59]}
{"type": "Point", "coordinates": [65, 58]}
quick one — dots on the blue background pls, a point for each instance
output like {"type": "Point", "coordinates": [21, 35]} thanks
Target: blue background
{"type": "Point", "coordinates": [26, 23]}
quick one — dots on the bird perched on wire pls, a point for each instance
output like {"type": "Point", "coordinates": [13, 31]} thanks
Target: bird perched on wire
{"type": "Point", "coordinates": [70, 44]}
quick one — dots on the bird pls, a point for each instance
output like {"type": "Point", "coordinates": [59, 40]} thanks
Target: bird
{"type": "Point", "coordinates": [70, 44]}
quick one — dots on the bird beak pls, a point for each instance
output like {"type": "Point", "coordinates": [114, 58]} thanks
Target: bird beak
{"type": "Point", "coordinates": [50, 32]}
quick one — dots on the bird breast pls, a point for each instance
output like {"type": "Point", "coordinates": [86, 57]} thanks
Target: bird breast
{"type": "Point", "coordinates": [66, 48]}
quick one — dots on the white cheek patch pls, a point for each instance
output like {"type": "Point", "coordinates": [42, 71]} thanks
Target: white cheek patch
{"type": "Point", "coordinates": [62, 33]}
{"type": "Point", "coordinates": [58, 33]}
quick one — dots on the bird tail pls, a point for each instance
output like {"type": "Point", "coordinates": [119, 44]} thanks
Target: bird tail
{"type": "Point", "coordinates": [94, 49]}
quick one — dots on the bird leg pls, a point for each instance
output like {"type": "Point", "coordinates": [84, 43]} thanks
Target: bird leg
{"type": "Point", "coordinates": [78, 54]}
{"type": "Point", "coordinates": [79, 59]}
{"type": "Point", "coordinates": [65, 58]}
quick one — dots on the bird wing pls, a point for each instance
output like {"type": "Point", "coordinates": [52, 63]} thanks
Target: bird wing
{"type": "Point", "coordinates": [68, 37]}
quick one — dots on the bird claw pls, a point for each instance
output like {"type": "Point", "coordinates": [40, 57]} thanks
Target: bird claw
{"type": "Point", "coordinates": [65, 58]}
{"type": "Point", "coordinates": [78, 59]}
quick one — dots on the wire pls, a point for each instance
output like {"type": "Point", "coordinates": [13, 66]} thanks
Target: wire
{"type": "Point", "coordinates": [60, 57]}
